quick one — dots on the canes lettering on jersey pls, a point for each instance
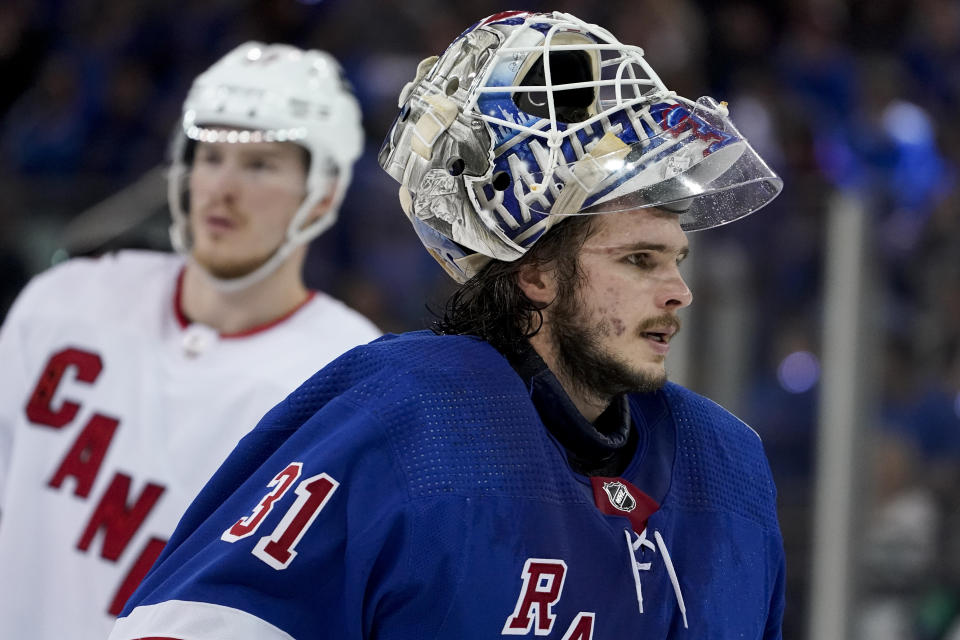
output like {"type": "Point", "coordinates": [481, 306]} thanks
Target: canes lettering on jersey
{"type": "Point", "coordinates": [114, 514]}
{"type": "Point", "coordinates": [87, 366]}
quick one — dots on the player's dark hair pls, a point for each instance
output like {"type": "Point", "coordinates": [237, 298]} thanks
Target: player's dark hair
{"type": "Point", "coordinates": [492, 306]}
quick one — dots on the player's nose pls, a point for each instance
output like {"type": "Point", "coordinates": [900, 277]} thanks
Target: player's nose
{"type": "Point", "coordinates": [674, 292]}
{"type": "Point", "coordinates": [224, 180]}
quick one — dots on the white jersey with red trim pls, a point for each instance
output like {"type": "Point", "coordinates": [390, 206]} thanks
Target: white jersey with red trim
{"type": "Point", "coordinates": [113, 414]}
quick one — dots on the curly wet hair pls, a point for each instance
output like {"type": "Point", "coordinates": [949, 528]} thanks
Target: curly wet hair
{"type": "Point", "coordinates": [492, 306]}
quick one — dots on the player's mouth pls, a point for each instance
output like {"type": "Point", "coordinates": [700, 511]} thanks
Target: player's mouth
{"type": "Point", "coordinates": [659, 339]}
{"type": "Point", "coordinates": [659, 336]}
{"type": "Point", "coordinates": [658, 331]}
{"type": "Point", "coordinates": [220, 223]}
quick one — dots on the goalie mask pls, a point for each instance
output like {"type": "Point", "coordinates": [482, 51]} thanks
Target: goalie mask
{"type": "Point", "coordinates": [271, 93]}
{"type": "Point", "coordinates": [528, 118]}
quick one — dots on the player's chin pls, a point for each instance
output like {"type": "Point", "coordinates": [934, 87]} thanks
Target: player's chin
{"type": "Point", "coordinates": [226, 267]}
{"type": "Point", "coordinates": [648, 379]}
{"type": "Point", "coordinates": [652, 371]}
{"type": "Point", "coordinates": [649, 361]}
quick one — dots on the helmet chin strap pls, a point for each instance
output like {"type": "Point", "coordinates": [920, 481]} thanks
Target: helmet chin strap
{"type": "Point", "coordinates": [233, 285]}
{"type": "Point", "coordinates": [295, 238]}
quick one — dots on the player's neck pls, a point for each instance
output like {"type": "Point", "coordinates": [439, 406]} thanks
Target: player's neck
{"type": "Point", "coordinates": [237, 311]}
{"type": "Point", "coordinates": [588, 404]}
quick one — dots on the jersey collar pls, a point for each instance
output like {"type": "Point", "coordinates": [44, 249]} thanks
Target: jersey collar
{"type": "Point", "coordinates": [603, 447]}
{"type": "Point", "coordinates": [185, 322]}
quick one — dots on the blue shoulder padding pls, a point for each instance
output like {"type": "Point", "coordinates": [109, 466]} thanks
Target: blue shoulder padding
{"type": "Point", "coordinates": [457, 415]}
{"type": "Point", "coordinates": [720, 463]}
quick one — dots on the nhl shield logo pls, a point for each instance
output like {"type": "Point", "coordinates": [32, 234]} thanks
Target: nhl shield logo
{"type": "Point", "coordinates": [619, 496]}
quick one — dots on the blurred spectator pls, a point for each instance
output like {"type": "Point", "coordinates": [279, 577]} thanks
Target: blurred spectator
{"type": "Point", "coordinates": [46, 129]}
{"type": "Point", "coordinates": [23, 43]}
{"type": "Point", "coordinates": [898, 543]}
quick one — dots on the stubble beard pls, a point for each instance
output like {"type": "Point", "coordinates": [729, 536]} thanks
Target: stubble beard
{"type": "Point", "coordinates": [227, 269]}
{"type": "Point", "coordinates": [586, 364]}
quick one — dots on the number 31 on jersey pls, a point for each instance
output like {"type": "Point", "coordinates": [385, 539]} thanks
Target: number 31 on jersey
{"type": "Point", "coordinates": [278, 548]}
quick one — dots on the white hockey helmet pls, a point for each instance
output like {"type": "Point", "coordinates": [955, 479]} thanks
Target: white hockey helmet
{"type": "Point", "coordinates": [271, 93]}
{"type": "Point", "coordinates": [530, 117]}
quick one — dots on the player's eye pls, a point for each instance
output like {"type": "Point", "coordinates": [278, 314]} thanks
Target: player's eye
{"type": "Point", "coordinates": [641, 260]}
{"type": "Point", "coordinates": [209, 155]}
{"type": "Point", "coordinates": [260, 164]}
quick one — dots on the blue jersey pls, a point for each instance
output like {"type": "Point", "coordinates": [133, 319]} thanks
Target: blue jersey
{"type": "Point", "coordinates": [410, 490]}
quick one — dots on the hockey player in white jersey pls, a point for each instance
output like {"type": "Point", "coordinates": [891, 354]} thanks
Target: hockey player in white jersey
{"type": "Point", "coordinates": [126, 380]}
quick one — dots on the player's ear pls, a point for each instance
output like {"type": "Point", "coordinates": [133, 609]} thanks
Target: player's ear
{"type": "Point", "coordinates": [538, 282]}
{"type": "Point", "coordinates": [323, 206]}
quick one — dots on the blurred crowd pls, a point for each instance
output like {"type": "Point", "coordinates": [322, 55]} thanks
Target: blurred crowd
{"type": "Point", "coordinates": [856, 97]}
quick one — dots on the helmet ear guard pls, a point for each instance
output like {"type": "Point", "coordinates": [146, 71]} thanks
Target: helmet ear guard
{"type": "Point", "coordinates": [527, 118]}
{"type": "Point", "coordinates": [271, 93]}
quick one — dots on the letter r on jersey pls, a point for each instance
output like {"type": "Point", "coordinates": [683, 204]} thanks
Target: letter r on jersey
{"type": "Point", "coordinates": [542, 588]}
